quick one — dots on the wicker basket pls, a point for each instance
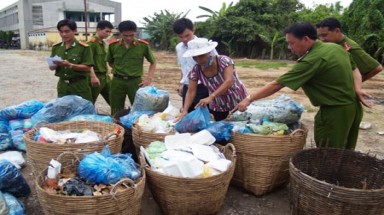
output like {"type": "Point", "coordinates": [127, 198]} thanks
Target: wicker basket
{"type": "Point", "coordinates": [192, 196]}
{"type": "Point", "coordinates": [40, 154]}
{"type": "Point", "coordinates": [144, 138]}
{"type": "Point", "coordinates": [335, 181]}
{"type": "Point", "coordinates": [126, 201]}
{"type": "Point", "coordinates": [263, 160]}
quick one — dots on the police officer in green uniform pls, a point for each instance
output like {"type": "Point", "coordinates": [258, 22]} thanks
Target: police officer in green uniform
{"type": "Point", "coordinates": [126, 57]}
{"type": "Point", "coordinates": [99, 77]}
{"type": "Point", "coordinates": [324, 72]}
{"type": "Point", "coordinates": [329, 30]}
{"type": "Point", "coordinates": [73, 69]}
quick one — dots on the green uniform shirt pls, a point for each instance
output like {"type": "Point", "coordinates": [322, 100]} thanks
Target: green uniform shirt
{"type": "Point", "coordinates": [99, 54]}
{"type": "Point", "coordinates": [363, 60]}
{"type": "Point", "coordinates": [77, 53]}
{"type": "Point", "coordinates": [325, 74]}
{"type": "Point", "coordinates": [129, 61]}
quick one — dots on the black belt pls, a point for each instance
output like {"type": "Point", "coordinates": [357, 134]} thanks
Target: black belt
{"type": "Point", "coordinates": [125, 77]}
{"type": "Point", "coordinates": [72, 80]}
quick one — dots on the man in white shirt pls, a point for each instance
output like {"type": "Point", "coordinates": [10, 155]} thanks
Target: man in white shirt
{"type": "Point", "coordinates": [184, 29]}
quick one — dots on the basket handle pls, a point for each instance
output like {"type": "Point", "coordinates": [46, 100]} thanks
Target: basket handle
{"type": "Point", "coordinates": [67, 153]}
{"type": "Point", "coordinates": [298, 132]}
{"type": "Point", "coordinates": [142, 161]}
{"type": "Point", "coordinates": [231, 147]}
{"type": "Point", "coordinates": [127, 182]}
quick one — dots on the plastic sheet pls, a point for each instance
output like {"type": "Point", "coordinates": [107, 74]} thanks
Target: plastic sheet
{"type": "Point", "coordinates": [194, 121]}
{"type": "Point", "coordinates": [12, 181]}
{"type": "Point", "coordinates": [150, 99]}
{"type": "Point", "coordinates": [21, 111]}
{"type": "Point", "coordinates": [63, 108]}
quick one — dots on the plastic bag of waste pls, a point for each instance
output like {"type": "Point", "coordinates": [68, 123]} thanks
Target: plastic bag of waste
{"type": "Point", "coordinates": [282, 109]}
{"type": "Point", "coordinates": [18, 140]}
{"type": "Point", "coordinates": [12, 181]}
{"type": "Point", "coordinates": [129, 119]}
{"type": "Point", "coordinates": [15, 157]}
{"type": "Point", "coordinates": [221, 130]}
{"type": "Point", "coordinates": [21, 111]}
{"type": "Point", "coordinates": [77, 187]}
{"type": "Point", "coordinates": [5, 141]}
{"type": "Point", "coordinates": [92, 117]}
{"type": "Point", "coordinates": [4, 126]}
{"type": "Point", "coordinates": [150, 99]}
{"type": "Point", "coordinates": [63, 108]}
{"type": "Point", "coordinates": [3, 205]}
{"type": "Point", "coordinates": [15, 207]}
{"type": "Point", "coordinates": [194, 121]}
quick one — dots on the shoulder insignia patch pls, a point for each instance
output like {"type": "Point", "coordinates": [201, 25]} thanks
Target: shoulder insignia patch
{"type": "Point", "coordinates": [83, 44]}
{"type": "Point", "coordinates": [57, 44]}
{"type": "Point", "coordinates": [347, 47]}
{"type": "Point", "coordinates": [143, 41]}
{"type": "Point", "coordinates": [113, 41]}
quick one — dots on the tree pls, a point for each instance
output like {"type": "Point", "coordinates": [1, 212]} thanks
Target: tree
{"type": "Point", "coordinates": [159, 28]}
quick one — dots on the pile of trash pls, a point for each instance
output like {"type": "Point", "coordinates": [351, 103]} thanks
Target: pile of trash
{"type": "Point", "coordinates": [186, 155]}
{"type": "Point", "coordinates": [18, 119]}
{"type": "Point", "coordinates": [279, 116]}
{"type": "Point", "coordinates": [95, 176]}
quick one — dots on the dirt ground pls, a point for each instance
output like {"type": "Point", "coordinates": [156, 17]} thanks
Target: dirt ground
{"type": "Point", "coordinates": [25, 76]}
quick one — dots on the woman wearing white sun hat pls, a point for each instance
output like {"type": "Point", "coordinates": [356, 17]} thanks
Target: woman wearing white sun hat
{"type": "Point", "coordinates": [218, 74]}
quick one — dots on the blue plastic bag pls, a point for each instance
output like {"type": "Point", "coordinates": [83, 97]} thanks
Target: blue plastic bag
{"type": "Point", "coordinates": [21, 111]}
{"type": "Point", "coordinates": [221, 130]}
{"type": "Point", "coordinates": [5, 141]}
{"type": "Point", "coordinates": [129, 119]}
{"type": "Point", "coordinates": [92, 117]}
{"type": "Point", "coordinates": [12, 181]}
{"type": "Point", "coordinates": [194, 121]}
{"type": "Point", "coordinates": [150, 99]}
{"type": "Point", "coordinates": [3, 205]}
{"type": "Point", "coordinates": [18, 140]}
{"type": "Point", "coordinates": [4, 126]}
{"type": "Point", "coordinates": [106, 168]}
{"type": "Point", "coordinates": [20, 124]}
{"type": "Point", "coordinates": [15, 207]}
{"type": "Point", "coordinates": [63, 108]}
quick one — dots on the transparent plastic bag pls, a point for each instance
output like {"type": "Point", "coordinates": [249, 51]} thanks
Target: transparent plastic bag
{"type": "Point", "coordinates": [130, 119]}
{"type": "Point", "coordinates": [63, 108]}
{"type": "Point", "coordinates": [194, 121]}
{"type": "Point", "coordinates": [150, 99]}
{"type": "Point", "coordinates": [92, 117]}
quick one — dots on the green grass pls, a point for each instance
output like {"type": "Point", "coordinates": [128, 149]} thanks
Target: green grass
{"type": "Point", "coordinates": [261, 64]}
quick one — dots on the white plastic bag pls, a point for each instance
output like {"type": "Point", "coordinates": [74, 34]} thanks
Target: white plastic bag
{"type": "Point", "coordinates": [15, 157]}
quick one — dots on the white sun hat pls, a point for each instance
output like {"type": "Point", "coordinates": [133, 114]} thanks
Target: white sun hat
{"type": "Point", "coordinates": [199, 46]}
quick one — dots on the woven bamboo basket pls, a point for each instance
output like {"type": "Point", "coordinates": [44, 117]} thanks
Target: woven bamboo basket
{"type": "Point", "coordinates": [336, 181]}
{"type": "Point", "coordinates": [263, 160]}
{"type": "Point", "coordinates": [144, 138]}
{"type": "Point", "coordinates": [40, 154]}
{"type": "Point", "coordinates": [190, 195]}
{"type": "Point", "coordinates": [126, 201]}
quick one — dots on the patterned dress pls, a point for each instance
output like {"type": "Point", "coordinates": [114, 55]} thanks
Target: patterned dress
{"type": "Point", "coordinates": [229, 99]}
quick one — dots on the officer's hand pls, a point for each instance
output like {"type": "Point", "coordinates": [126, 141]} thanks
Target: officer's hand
{"type": "Point", "coordinates": [61, 63]}
{"type": "Point", "coordinates": [364, 98]}
{"type": "Point", "coordinates": [95, 82]}
{"type": "Point", "coordinates": [146, 82]}
{"type": "Point", "coordinates": [242, 106]}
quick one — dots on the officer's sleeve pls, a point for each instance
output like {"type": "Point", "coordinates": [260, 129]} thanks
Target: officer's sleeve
{"type": "Point", "coordinates": [109, 57]}
{"type": "Point", "coordinates": [149, 55]}
{"type": "Point", "coordinates": [353, 63]}
{"type": "Point", "coordinates": [301, 73]}
{"type": "Point", "coordinates": [87, 57]}
{"type": "Point", "coordinates": [53, 51]}
{"type": "Point", "coordinates": [363, 60]}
